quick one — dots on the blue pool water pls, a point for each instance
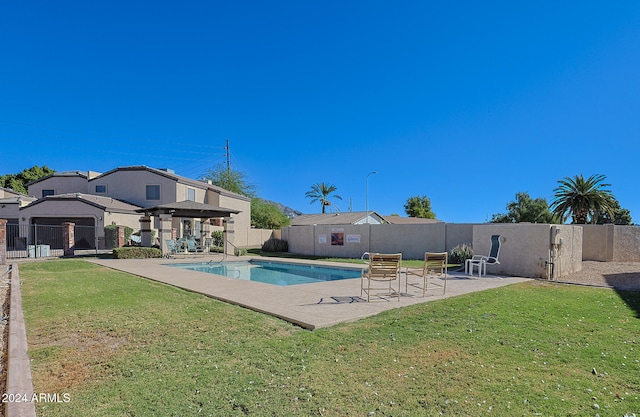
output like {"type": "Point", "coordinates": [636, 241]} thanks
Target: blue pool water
{"type": "Point", "coordinates": [276, 273]}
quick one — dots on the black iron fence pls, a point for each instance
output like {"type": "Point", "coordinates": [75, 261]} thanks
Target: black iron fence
{"type": "Point", "coordinates": [39, 241]}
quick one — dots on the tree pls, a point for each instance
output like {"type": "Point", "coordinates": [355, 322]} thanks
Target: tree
{"type": "Point", "coordinates": [621, 215]}
{"type": "Point", "coordinates": [321, 192]}
{"type": "Point", "coordinates": [582, 199]}
{"type": "Point", "coordinates": [18, 182]}
{"type": "Point", "coordinates": [234, 181]}
{"type": "Point", "coordinates": [526, 209]}
{"type": "Point", "coordinates": [265, 215]}
{"type": "Point", "coordinates": [419, 207]}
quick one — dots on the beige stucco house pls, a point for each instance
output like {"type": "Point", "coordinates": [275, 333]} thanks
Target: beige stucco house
{"type": "Point", "coordinates": [150, 187]}
{"type": "Point", "coordinates": [10, 204]}
{"type": "Point", "coordinates": [61, 183]}
{"type": "Point", "coordinates": [119, 197]}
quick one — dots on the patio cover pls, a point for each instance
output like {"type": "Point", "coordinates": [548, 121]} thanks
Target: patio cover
{"type": "Point", "coordinates": [190, 209]}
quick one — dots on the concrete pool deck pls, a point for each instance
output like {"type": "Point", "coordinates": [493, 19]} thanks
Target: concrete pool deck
{"type": "Point", "coordinates": [310, 306]}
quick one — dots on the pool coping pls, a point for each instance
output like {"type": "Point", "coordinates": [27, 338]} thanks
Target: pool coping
{"type": "Point", "coordinates": [310, 306]}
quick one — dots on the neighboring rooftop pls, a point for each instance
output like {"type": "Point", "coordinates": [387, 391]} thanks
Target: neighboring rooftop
{"type": "Point", "coordinates": [408, 220]}
{"type": "Point", "coordinates": [81, 174]}
{"type": "Point", "coordinates": [105, 203]}
{"type": "Point", "coordinates": [352, 217]}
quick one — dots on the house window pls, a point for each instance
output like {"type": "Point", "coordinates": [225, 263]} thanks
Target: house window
{"type": "Point", "coordinates": [101, 189]}
{"type": "Point", "coordinates": [153, 192]}
{"type": "Point", "coordinates": [191, 194]}
{"type": "Point", "coordinates": [47, 192]}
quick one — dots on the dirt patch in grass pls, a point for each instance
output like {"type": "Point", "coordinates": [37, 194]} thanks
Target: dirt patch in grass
{"type": "Point", "coordinates": [78, 358]}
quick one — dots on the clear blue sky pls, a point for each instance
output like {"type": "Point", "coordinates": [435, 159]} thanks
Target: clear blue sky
{"type": "Point", "coordinates": [467, 103]}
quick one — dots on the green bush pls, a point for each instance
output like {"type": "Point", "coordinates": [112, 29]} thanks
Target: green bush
{"type": "Point", "coordinates": [240, 252]}
{"type": "Point", "coordinates": [136, 252]}
{"type": "Point", "coordinates": [111, 235]}
{"type": "Point", "coordinates": [218, 238]}
{"type": "Point", "coordinates": [460, 253]}
{"type": "Point", "coordinates": [275, 245]}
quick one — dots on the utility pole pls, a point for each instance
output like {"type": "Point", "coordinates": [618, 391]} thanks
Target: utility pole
{"type": "Point", "coordinates": [228, 157]}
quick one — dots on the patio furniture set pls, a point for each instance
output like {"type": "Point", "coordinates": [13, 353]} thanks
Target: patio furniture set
{"type": "Point", "coordinates": [188, 245]}
{"type": "Point", "coordinates": [386, 268]}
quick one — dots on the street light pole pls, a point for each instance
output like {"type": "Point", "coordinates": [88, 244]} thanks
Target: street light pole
{"type": "Point", "coordinates": [366, 202]}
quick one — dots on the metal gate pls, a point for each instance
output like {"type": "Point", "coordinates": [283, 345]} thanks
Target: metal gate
{"type": "Point", "coordinates": [33, 241]}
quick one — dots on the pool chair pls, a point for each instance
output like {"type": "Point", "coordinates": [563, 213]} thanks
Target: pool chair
{"type": "Point", "coordinates": [193, 246]}
{"type": "Point", "coordinates": [481, 261]}
{"type": "Point", "coordinates": [434, 266]}
{"type": "Point", "coordinates": [172, 246]}
{"type": "Point", "coordinates": [381, 268]}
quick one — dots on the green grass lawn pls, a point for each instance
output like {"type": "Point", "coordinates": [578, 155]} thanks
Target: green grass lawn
{"type": "Point", "coordinates": [120, 345]}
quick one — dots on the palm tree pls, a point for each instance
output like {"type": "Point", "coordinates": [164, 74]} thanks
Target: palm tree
{"type": "Point", "coordinates": [583, 199]}
{"type": "Point", "coordinates": [321, 192]}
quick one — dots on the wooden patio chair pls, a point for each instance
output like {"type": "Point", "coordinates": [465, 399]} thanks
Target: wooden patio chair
{"type": "Point", "coordinates": [435, 265]}
{"type": "Point", "coordinates": [381, 268]}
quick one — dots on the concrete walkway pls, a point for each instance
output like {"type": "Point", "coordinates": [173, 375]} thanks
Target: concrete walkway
{"type": "Point", "coordinates": [309, 305]}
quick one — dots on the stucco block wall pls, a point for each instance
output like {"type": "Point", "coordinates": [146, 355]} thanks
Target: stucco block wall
{"type": "Point", "coordinates": [626, 244]}
{"type": "Point", "coordinates": [611, 243]}
{"type": "Point", "coordinates": [256, 237]}
{"type": "Point", "coordinates": [458, 233]}
{"type": "Point", "coordinates": [597, 244]}
{"type": "Point", "coordinates": [411, 240]}
{"type": "Point", "coordinates": [526, 248]}
{"type": "Point", "coordinates": [301, 239]}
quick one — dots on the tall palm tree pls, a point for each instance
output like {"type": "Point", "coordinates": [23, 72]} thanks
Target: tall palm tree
{"type": "Point", "coordinates": [321, 192]}
{"type": "Point", "coordinates": [583, 199]}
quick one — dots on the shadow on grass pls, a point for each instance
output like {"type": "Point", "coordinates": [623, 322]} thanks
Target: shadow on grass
{"type": "Point", "coordinates": [627, 285]}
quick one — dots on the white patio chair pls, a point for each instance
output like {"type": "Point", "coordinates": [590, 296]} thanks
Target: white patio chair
{"type": "Point", "coordinates": [481, 261]}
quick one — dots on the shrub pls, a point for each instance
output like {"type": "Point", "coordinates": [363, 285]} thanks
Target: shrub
{"type": "Point", "coordinates": [218, 238]}
{"type": "Point", "coordinates": [136, 252]}
{"type": "Point", "coordinates": [111, 235]}
{"type": "Point", "coordinates": [275, 245]}
{"type": "Point", "coordinates": [240, 251]}
{"type": "Point", "coordinates": [460, 253]}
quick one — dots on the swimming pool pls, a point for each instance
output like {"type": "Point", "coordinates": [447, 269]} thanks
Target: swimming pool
{"type": "Point", "coordinates": [276, 273]}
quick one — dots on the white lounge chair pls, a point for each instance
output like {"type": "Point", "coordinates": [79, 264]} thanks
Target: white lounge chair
{"type": "Point", "coordinates": [481, 261]}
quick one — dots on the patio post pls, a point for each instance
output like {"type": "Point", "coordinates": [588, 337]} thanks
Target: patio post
{"type": "Point", "coordinates": [68, 239]}
{"type": "Point", "coordinates": [145, 231]}
{"type": "Point", "coordinates": [165, 232]}
{"type": "Point", "coordinates": [120, 231]}
{"type": "Point", "coordinates": [205, 232]}
{"type": "Point", "coordinates": [229, 236]}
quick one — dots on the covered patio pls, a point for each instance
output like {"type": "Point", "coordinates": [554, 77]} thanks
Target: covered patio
{"type": "Point", "coordinates": [165, 213]}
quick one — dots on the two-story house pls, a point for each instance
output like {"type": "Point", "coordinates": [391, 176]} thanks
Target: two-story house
{"type": "Point", "coordinates": [150, 187]}
{"type": "Point", "coordinates": [120, 196]}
